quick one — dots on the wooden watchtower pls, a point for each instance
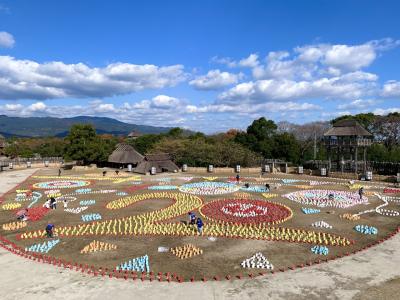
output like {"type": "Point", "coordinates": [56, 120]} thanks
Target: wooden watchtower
{"type": "Point", "coordinates": [344, 142]}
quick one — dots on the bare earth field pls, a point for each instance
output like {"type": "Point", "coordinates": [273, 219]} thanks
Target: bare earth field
{"type": "Point", "coordinates": [362, 275]}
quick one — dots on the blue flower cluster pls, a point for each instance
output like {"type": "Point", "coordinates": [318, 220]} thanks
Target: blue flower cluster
{"type": "Point", "coordinates": [255, 189]}
{"type": "Point", "coordinates": [87, 202]}
{"type": "Point", "coordinates": [42, 248]}
{"type": "Point", "coordinates": [320, 250]}
{"type": "Point", "coordinates": [139, 264]}
{"type": "Point", "coordinates": [308, 211]}
{"type": "Point", "coordinates": [162, 187]}
{"type": "Point", "coordinates": [366, 229]}
{"type": "Point", "coordinates": [83, 191]}
{"type": "Point", "coordinates": [288, 181]}
{"type": "Point", "coordinates": [121, 193]}
{"type": "Point", "coordinates": [91, 217]}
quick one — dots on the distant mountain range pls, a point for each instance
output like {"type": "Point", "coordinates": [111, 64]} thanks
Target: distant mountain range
{"type": "Point", "coordinates": [47, 126]}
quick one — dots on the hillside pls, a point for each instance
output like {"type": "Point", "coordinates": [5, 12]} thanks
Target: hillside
{"type": "Point", "coordinates": [48, 126]}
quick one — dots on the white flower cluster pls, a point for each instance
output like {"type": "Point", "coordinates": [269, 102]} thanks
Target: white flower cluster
{"type": "Point", "coordinates": [321, 224]}
{"type": "Point", "coordinates": [76, 210]}
{"type": "Point", "coordinates": [257, 261]}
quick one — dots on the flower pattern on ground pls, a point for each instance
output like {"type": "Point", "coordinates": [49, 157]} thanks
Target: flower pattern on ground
{"type": "Point", "coordinates": [327, 198]}
{"type": "Point", "coordinates": [154, 223]}
{"type": "Point", "coordinates": [258, 261]}
{"type": "Point", "coordinates": [61, 184]}
{"type": "Point", "coordinates": [209, 188]}
{"type": "Point", "coordinates": [138, 264]}
{"type": "Point", "coordinates": [42, 248]}
{"type": "Point", "coordinates": [186, 251]}
{"type": "Point", "coordinates": [245, 211]}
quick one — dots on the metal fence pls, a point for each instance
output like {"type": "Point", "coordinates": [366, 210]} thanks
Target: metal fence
{"type": "Point", "coordinates": [33, 160]}
{"type": "Point", "coordinates": [382, 168]}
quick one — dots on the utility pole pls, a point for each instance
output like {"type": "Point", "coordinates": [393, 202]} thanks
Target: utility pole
{"type": "Point", "coordinates": [315, 145]}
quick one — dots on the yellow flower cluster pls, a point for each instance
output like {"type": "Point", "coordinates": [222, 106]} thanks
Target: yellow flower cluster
{"type": "Point", "coordinates": [355, 186]}
{"type": "Point", "coordinates": [242, 195]}
{"type": "Point", "coordinates": [210, 178]}
{"type": "Point", "coordinates": [302, 186]}
{"type": "Point", "coordinates": [350, 217]}
{"type": "Point", "coordinates": [21, 191]}
{"type": "Point", "coordinates": [54, 195]}
{"type": "Point", "coordinates": [11, 206]}
{"type": "Point", "coordinates": [268, 195]}
{"type": "Point", "coordinates": [186, 251]}
{"type": "Point", "coordinates": [14, 225]}
{"type": "Point", "coordinates": [114, 179]}
{"type": "Point", "coordinates": [96, 246]}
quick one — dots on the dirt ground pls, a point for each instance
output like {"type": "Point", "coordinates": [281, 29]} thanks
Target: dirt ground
{"type": "Point", "coordinates": [233, 250]}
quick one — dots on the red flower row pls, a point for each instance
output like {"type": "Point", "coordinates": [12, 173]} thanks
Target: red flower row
{"type": "Point", "coordinates": [246, 211]}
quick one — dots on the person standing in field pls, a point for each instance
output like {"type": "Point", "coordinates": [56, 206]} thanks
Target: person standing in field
{"type": "Point", "coordinates": [199, 226]}
{"type": "Point", "coordinates": [361, 192]}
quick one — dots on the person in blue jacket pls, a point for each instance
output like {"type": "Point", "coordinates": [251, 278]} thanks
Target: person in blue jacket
{"type": "Point", "coordinates": [200, 224]}
{"type": "Point", "coordinates": [49, 230]}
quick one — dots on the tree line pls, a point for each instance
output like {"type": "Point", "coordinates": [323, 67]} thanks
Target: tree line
{"type": "Point", "coordinates": [262, 139]}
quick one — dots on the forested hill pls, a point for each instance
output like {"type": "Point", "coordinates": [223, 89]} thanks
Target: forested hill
{"type": "Point", "coordinates": [47, 126]}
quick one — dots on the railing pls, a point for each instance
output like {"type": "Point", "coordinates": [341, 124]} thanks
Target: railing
{"type": "Point", "coordinates": [33, 160]}
{"type": "Point", "coordinates": [361, 142]}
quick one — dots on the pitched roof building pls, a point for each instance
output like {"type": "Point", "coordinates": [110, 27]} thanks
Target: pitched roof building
{"type": "Point", "coordinates": [2, 142]}
{"type": "Point", "coordinates": [125, 154]}
{"type": "Point", "coordinates": [162, 162]}
{"type": "Point", "coordinates": [348, 128]}
{"type": "Point", "coordinates": [345, 141]}
{"type": "Point", "coordinates": [134, 134]}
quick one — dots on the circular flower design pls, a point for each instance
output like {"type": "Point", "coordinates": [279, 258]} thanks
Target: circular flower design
{"type": "Point", "coordinates": [246, 211]}
{"type": "Point", "coordinates": [327, 198]}
{"type": "Point", "coordinates": [209, 188]}
{"type": "Point", "coordinates": [61, 184]}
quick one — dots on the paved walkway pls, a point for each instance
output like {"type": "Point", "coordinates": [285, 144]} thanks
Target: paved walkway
{"type": "Point", "coordinates": [372, 274]}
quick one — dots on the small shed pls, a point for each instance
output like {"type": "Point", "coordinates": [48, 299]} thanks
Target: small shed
{"type": "Point", "coordinates": [162, 162]}
{"type": "Point", "coordinates": [124, 155]}
{"type": "Point", "coordinates": [2, 143]}
{"type": "Point", "coordinates": [134, 135]}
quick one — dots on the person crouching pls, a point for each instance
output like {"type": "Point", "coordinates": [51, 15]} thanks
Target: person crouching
{"type": "Point", "coordinates": [49, 230]}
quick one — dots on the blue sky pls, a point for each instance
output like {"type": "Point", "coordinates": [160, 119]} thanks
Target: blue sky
{"type": "Point", "coordinates": [204, 65]}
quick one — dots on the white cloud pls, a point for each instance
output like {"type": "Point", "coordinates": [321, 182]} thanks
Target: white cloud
{"type": "Point", "coordinates": [227, 61]}
{"type": "Point", "coordinates": [289, 90]}
{"type": "Point", "coordinates": [250, 109]}
{"type": "Point", "coordinates": [249, 62]}
{"type": "Point", "coordinates": [391, 89]}
{"type": "Point", "coordinates": [163, 101]}
{"type": "Point", "coordinates": [6, 40]}
{"type": "Point", "coordinates": [358, 104]}
{"type": "Point", "coordinates": [313, 61]}
{"type": "Point", "coordinates": [215, 79]}
{"type": "Point", "coordinates": [38, 106]}
{"type": "Point", "coordinates": [350, 57]}
{"type": "Point", "coordinates": [26, 79]}
{"type": "Point", "coordinates": [385, 111]}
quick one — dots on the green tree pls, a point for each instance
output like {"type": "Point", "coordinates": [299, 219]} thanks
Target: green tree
{"type": "Point", "coordinates": [286, 147]}
{"type": "Point", "coordinates": [145, 143]}
{"type": "Point", "coordinates": [83, 144]}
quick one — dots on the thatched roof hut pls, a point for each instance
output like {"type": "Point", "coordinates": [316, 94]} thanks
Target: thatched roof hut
{"type": "Point", "coordinates": [2, 142]}
{"type": "Point", "coordinates": [162, 162]}
{"type": "Point", "coordinates": [125, 154]}
{"type": "Point", "coordinates": [134, 134]}
{"type": "Point", "coordinates": [348, 128]}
